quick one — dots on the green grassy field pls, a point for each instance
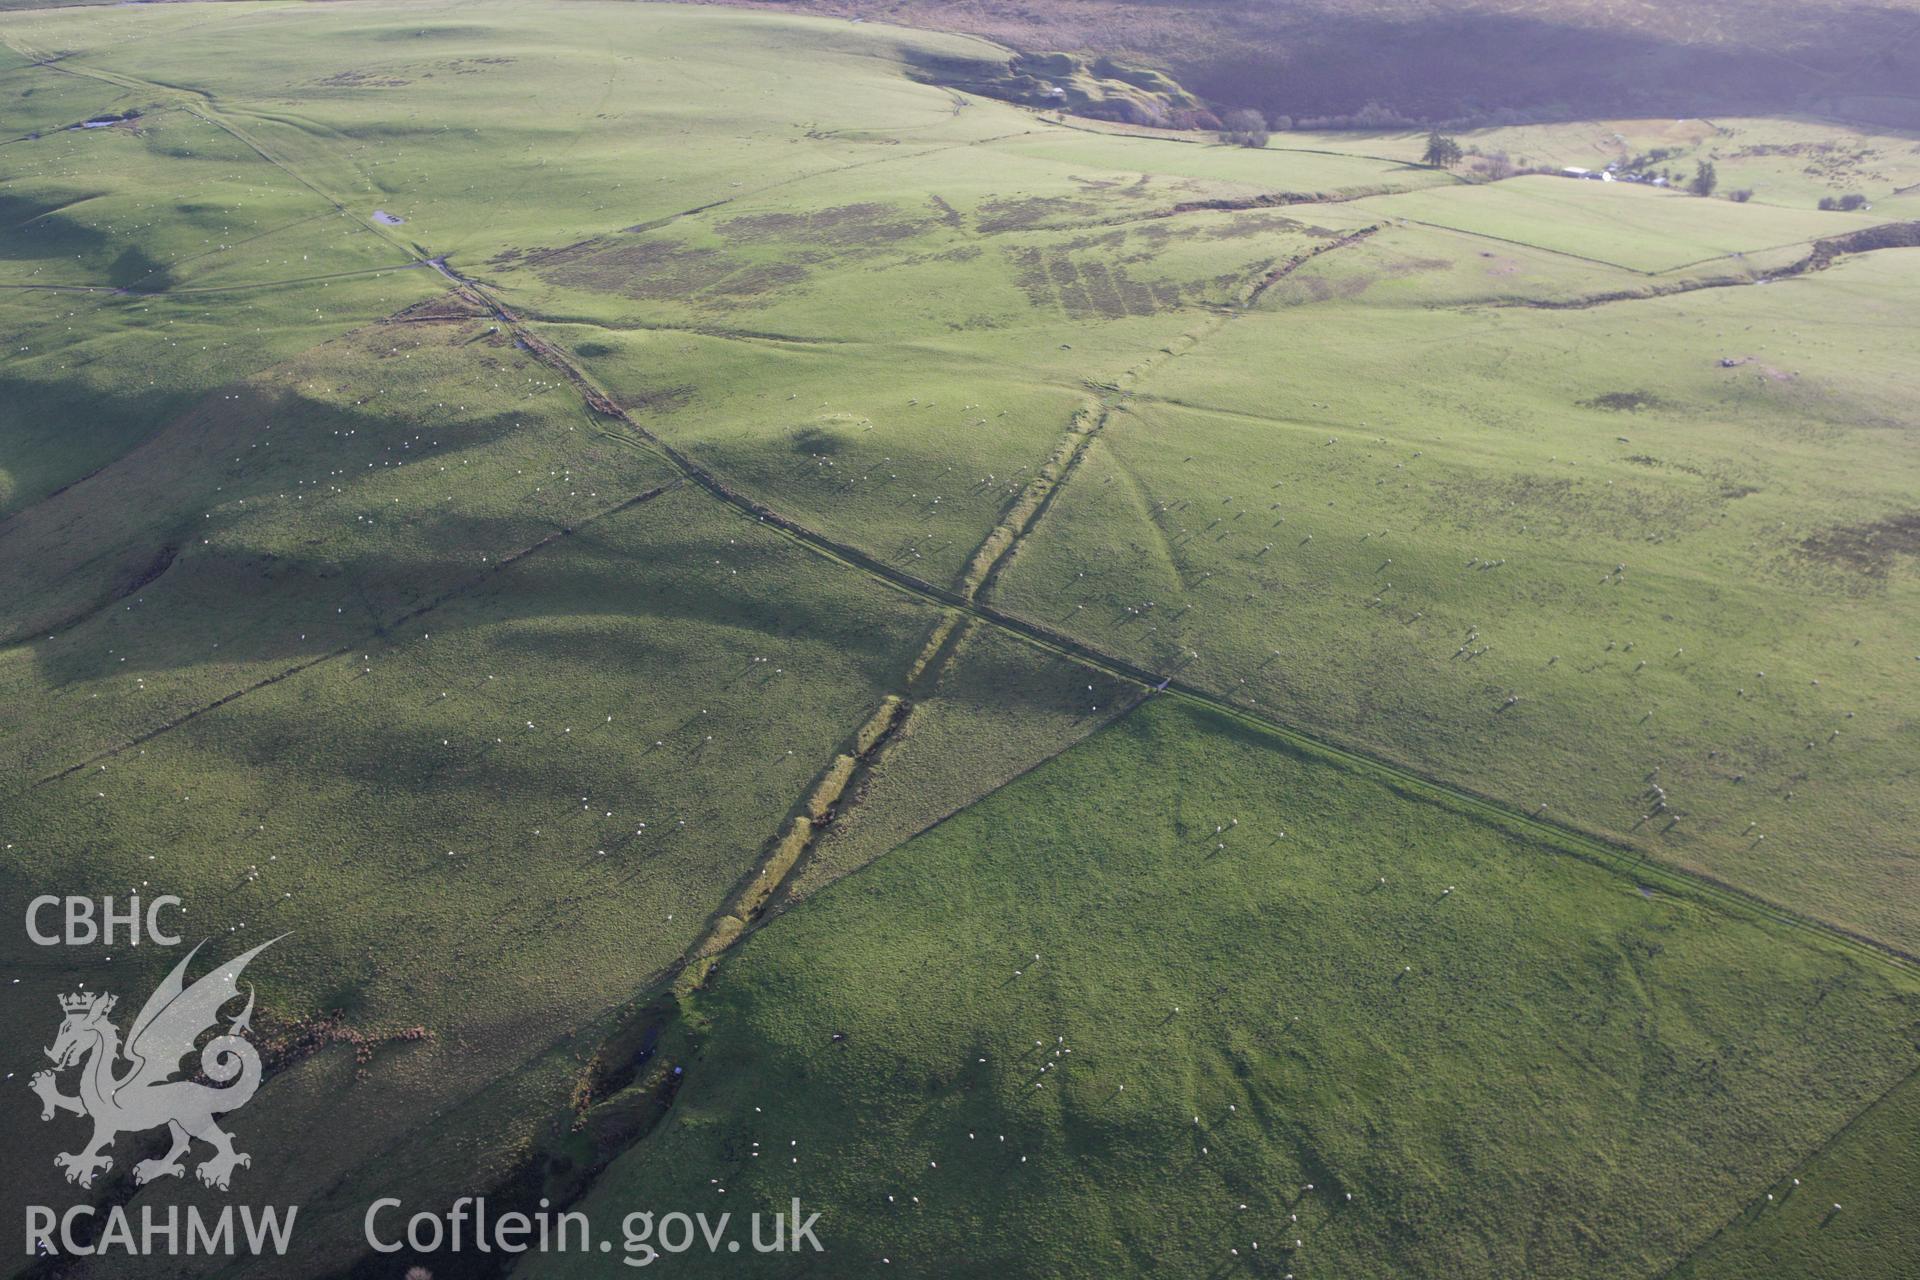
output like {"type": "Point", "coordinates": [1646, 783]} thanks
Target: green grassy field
{"type": "Point", "coordinates": [644, 535]}
{"type": "Point", "coordinates": [482, 816]}
{"type": "Point", "coordinates": [1783, 162]}
{"type": "Point", "coordinates": [1616, 223]}
{"type": "Point", "coordinates": [1846, 1211]}
{"type": "Point", "coordinates": [1452, 495]}
{"type": "Point", "coordinates": [1414, 1043]}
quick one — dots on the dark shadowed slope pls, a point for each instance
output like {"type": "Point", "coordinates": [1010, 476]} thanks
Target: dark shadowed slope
{"type": "Point", "coordinates": [1483, 59]}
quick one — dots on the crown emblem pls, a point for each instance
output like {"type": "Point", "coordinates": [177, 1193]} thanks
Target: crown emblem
{"type": "Point", "coordinates": [131, 1087]}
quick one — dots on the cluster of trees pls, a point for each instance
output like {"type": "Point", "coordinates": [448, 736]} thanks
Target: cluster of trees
{"type": "Point", "coordinates": [1244, 128]}
{"type": "Point", "coordinates": [1374, 115]}
{"type": "Point", "coordinates": [1843, 204]}
{"type": "Point", "coordinates": [1704, 179]}
{"type": "Point", "coordinates": [1442, 152]}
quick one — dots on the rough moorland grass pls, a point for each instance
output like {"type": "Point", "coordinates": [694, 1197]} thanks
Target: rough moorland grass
{"type": "Point", "coordinates": [1423, 266]}
{"type": "Point", "coordinates": [495, 127]}
{"type": "Point", "coordinates": [998, 708]}
{"type": "Point", "coordinates": [1793, 1229]}
{"type": "Point", "coordinates": [799, 265]}
{"type": "Point", "coordinates": [183, 259]}
{"type": "Point", "coordinates": [88, 377]}
{"type": "Point", "coordinates": [1389, 521]}
{"type": "Point", "coordinates": [448, 812]}
{"type": "Point", "coordinates": [468, 674]}
{"type": "Point", "coordinates": [910, 454]}
{"type": "Point", "coordinates": [496, 821]}
{"type": "Point", "coordinates": [969, 1059]}
{"type": "Point", "coordinates": [375, 470]}
{"type": "Point", "coordinates": [1472, 58]}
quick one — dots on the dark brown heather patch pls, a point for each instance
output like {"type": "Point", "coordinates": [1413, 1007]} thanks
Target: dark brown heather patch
{"type": "Point", "coordinates": [660, 270]}
{"type": "Point", "coordinates": [1033, 211]}
{"type": "Point", "coordinates": [847, 225]}
{"type": "Point", "coordinates": [1868, 548]}
{"type": "Point", "coordinates": [362, 80]}
{"type": "Point", "coordinates": [1625, 401]}
{"type": "Point", "coordinates": [1253, 224]}
{"type": "Point", "coordinates": [666, 270]}
{"type": "Point", "coordinates": [1089, 287]}
{"type": "Point", "coordinates": [641, 265]}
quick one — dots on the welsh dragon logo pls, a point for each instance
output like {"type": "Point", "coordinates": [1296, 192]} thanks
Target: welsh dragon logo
{"type": "Point", "coordinates": [142, 1093]}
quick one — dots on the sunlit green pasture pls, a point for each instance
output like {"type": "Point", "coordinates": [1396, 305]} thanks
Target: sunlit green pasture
{"type": "Point", "coordinates": [1182, 993]}
{"type": "Point", "coordinates": [346, 591]}
{"type": "Point", "coordinates": [1615, 223]}
{"type": "Point", "coordinates": [1565, 557]}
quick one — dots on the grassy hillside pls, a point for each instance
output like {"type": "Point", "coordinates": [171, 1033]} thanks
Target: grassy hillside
{"type": "Point", "coordinates": [600, 518]}
{"type": "Point", "coordinates": [1183, 991]}
{"type": "Point", "coordinates": [1847, 1211]}
{"type": "Point", "coordinates": [1513, 532]}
